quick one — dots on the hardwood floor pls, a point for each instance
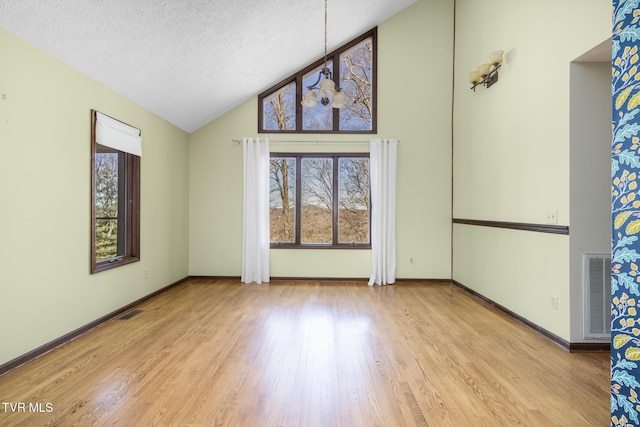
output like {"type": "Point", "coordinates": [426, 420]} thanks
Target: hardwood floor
{"type": "Point", "coordinates": [217, 353]}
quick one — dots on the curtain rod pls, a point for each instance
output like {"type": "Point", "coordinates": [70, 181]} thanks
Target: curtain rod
{"type": "Point", "coordinates": [239, 141]}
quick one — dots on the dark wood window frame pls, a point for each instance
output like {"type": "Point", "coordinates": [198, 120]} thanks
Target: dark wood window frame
{"type": "Point", "coordinates": [129, 244]}
{"type": "Point", "coordinates": [297, 244]}
{"type": "Point", "coordinates": [298, 77]}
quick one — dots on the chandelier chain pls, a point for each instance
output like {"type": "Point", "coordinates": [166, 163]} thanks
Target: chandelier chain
{"type": "Point", "coordinates": [325, 33]}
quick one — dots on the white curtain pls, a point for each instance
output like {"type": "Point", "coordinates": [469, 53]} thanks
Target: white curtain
{"type": "Point", "coordinates": [382, 169]}
{"type": "Point", "coordinates": [255, 228]}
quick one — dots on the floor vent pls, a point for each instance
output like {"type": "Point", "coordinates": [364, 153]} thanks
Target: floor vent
{"type": "Point", "coordinates": [130, 314]}
{"type": "Point", "coordinates": [597, 295]}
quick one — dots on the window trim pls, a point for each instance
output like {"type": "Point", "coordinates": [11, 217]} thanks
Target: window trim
{"type": "Point", "coordinates": [297, 244]}
{"type": "Point", "coordinates": [132, 209]}
{"type": "Point", "coordinates": [297, 79]}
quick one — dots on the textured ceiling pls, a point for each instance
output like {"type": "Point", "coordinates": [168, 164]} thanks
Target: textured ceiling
{"type": "Point", "coordinates": [190, 61]}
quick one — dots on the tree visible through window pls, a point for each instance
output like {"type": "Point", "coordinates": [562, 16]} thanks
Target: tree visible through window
{"type": "Point", "coordinates": [109, 174]}
{"type": "Point", "coordinates": [279, 109]}
{"type": "Point", "coordinates": [354, 69]}
{"type": "Point", "coordinates": [356, 80]}
{"type": "Point", "coordinates": [282, 199]}
{"type": "Point", "coordinates": [319, 200]}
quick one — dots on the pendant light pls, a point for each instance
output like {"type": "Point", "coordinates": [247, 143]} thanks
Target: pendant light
{"type": "Point", "coordinates": [329, 93]}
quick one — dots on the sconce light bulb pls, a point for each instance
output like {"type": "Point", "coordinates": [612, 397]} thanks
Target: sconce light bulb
{"type": "Point", "coordinates": [484, 69]}
{"type": "Point", "coordinates": [496, 57]}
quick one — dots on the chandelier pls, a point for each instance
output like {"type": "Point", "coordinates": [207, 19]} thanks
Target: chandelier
{"type": "Point", "coordinates": [329, 93]}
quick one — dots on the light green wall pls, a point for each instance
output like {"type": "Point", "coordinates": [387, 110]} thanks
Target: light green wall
{"type": "Point", "coordinates": [415, 65]}
{"type": "Point", "coordinates": [46, 290]}
{"type": "Point", "coordinates": [511, 148]}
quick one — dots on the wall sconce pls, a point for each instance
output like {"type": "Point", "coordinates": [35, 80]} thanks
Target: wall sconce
{"type": "Point", "coordinates": [487, 74]}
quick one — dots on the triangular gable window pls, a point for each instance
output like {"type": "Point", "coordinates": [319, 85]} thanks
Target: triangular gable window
{"type": "Point", "coordinates": [353, 67]}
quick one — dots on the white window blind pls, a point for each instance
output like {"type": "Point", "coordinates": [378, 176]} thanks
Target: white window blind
{"type": "Point", "coordinates": [118, 135]}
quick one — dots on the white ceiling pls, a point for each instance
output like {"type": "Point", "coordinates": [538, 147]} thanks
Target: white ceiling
{"type": "Point", "coordinates": [190, 61]}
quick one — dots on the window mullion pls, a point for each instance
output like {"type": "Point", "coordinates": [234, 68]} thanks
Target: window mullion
{"type": "Point", "coordinates": [335, 200]}
{"type": "Point", "coordinates": [299, 92]}
{"type": "Point", "coordinates": [133, 206]}
{"type": "Point", "coordinates": [298, 221]}
{"type": "Point", "coordinates": [123, 201]}
{"type": "Point", "coordinates": [336, 79]}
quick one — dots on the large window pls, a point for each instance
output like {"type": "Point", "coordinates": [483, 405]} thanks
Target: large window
{"type": "Point", "coordinates": [353, 67]}
{"type": "Point", "coordinates": [319, 200]}
{"type": "Point", "coordinates": [115, 193]}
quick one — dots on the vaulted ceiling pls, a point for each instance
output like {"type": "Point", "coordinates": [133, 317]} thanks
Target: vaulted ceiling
{"type": "Point", "coordinates": [190, 61]}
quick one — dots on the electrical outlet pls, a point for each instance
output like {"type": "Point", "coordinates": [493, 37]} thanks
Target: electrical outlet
{"type": "Point", "coordinates": [552, 216]}
{"type": "Point", "coordinates": [411, 260]}
{"type": "Point", "coordinates": [554, 302]}
{"type": "Point", "coordinates": [146, 273]}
